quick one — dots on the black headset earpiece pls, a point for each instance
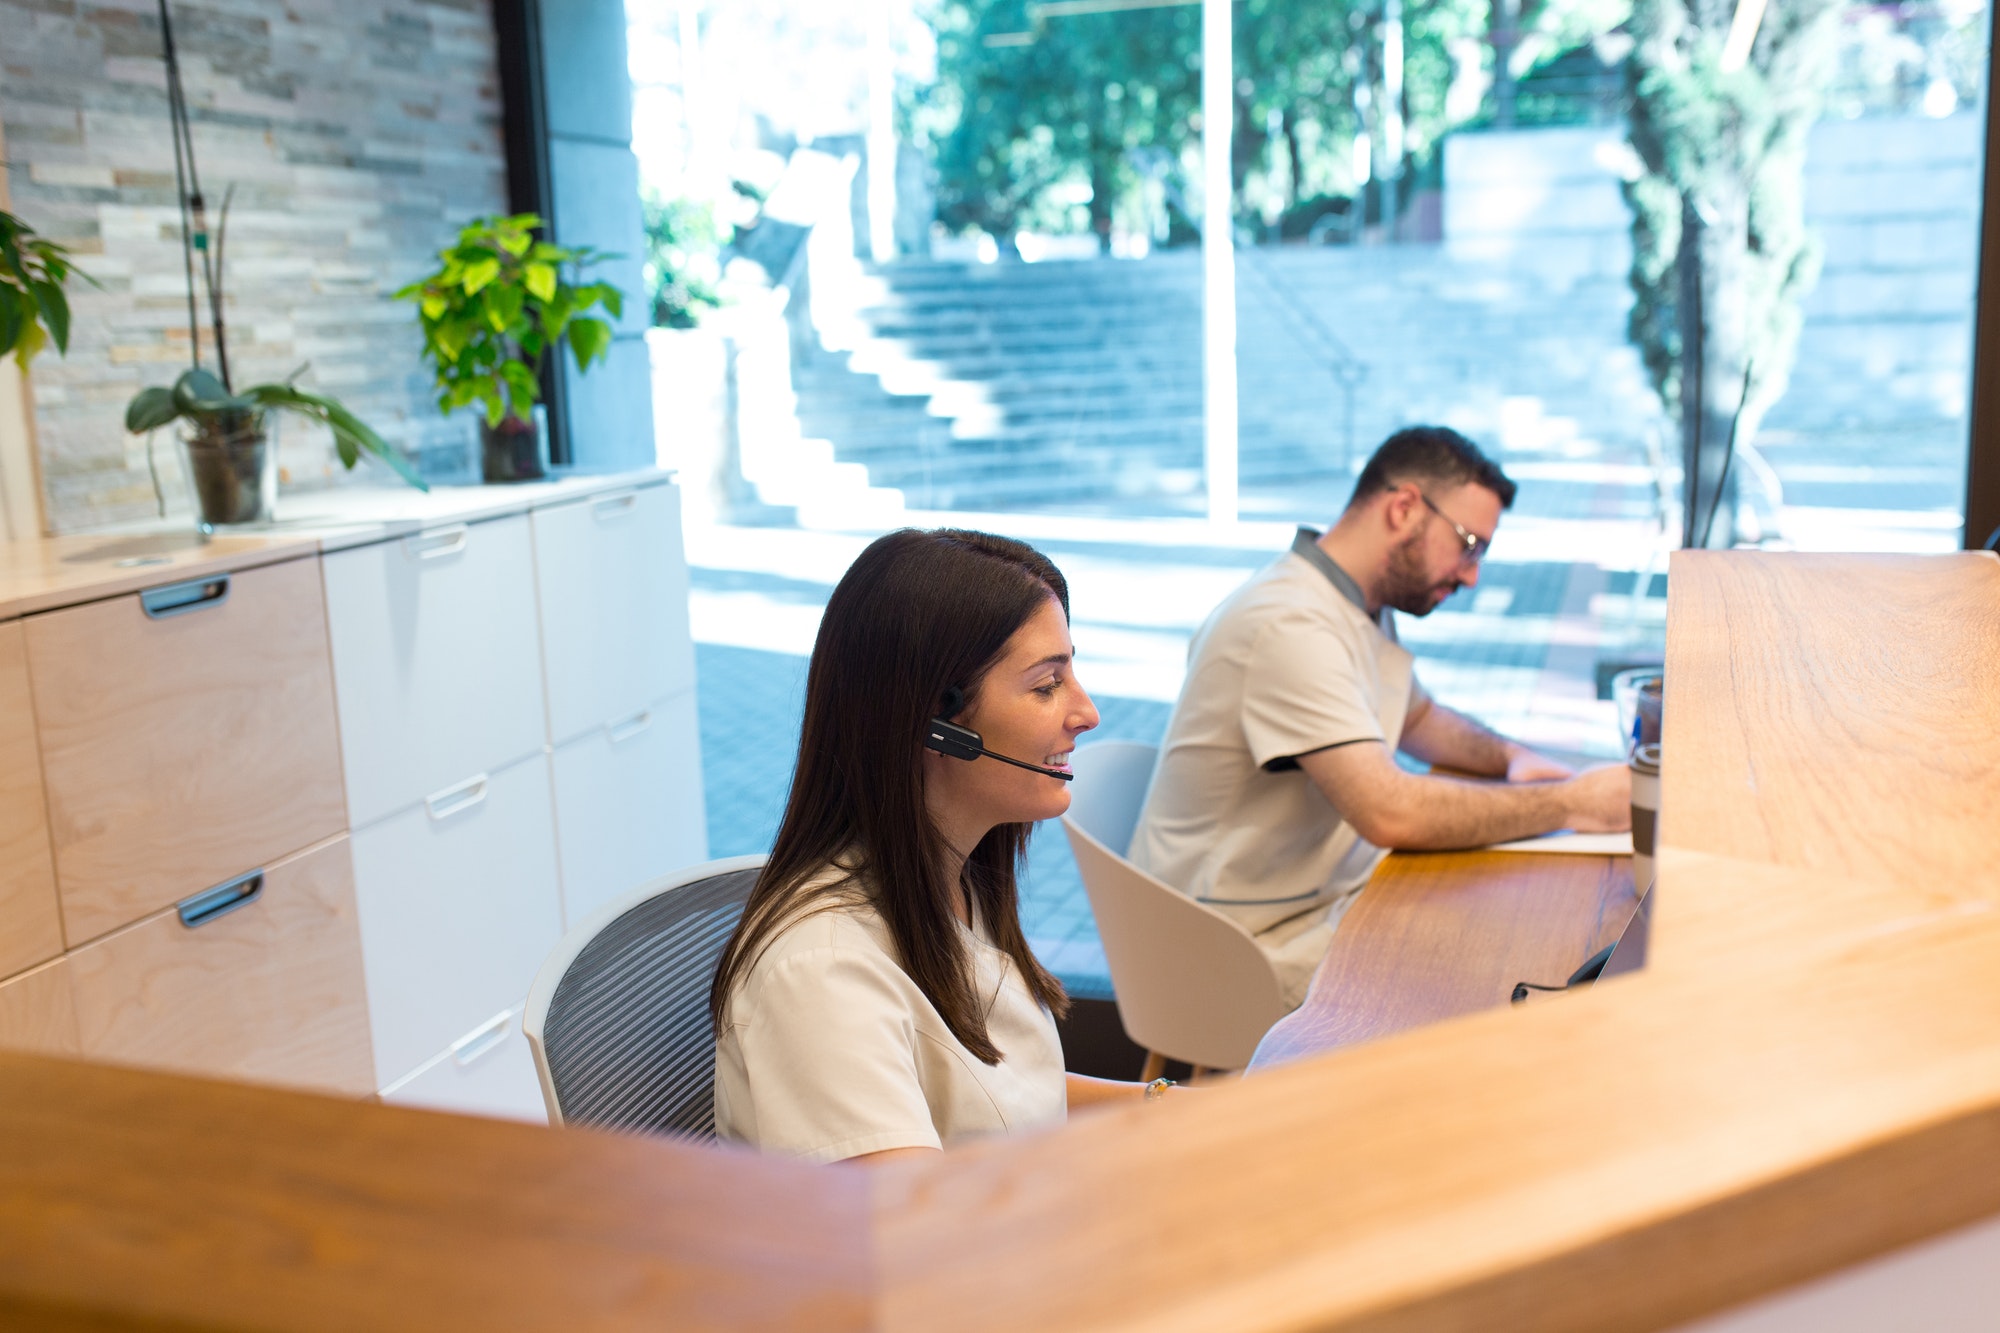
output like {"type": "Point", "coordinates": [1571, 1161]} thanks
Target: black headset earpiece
{"type": "Point", "coordinates": [949, 738]}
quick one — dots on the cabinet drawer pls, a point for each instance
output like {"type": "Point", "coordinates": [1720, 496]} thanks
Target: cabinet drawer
{"type": "Point", "coordinates": [30, 926]}
{"type": "Point", "coordinates": [37, 1012]}
{"type": "Point", "coordinates": [458, 908]}
{"type": "Point", "coordinates": [629, 804]}
{"type": "Point", "coordinates": [614, 591]}
{"type": "Point", "coordinates": [184, 744]}
{"type": "Point", "coordinates": [270, 991]}
{"type": "Point", "coordinates": [435, 660]}
{"type": "Point", "coordinates": [488, 1071]}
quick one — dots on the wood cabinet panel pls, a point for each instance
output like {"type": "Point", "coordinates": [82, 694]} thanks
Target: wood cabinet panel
{"type": "Point", "coordinates": [182, 750]}
{"type": "Point", "coordinates": [30, 925]}
{"type": "Point", "coordinates": [435, 660]}
{"type": "Point", "coordinates": [613, 588]}
{"type": "Point", "coordinates": [37, 1013]}
{"type": "Point", "coordinates": [272, 991]}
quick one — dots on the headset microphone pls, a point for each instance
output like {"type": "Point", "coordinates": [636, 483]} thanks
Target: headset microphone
{"type": "Point", "coordinates": [965, 743]}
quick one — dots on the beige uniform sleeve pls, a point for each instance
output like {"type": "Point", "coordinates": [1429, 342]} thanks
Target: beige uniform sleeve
{"type": "Point", "coordinates": [1303, 690]}
{"type": "Point", "coordinates": [828, 1051]}
{"type": "Point", "coordinates": [1420, 698]}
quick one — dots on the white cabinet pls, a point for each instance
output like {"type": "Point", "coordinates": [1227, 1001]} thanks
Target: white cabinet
{"type": "Point", "coordinates": [488, 1071]}
{"type": "Point", "coordinates": [436, 659]}
{"type": "Point", "coordinates": [629, 803]}
{"type": "Point", "coordinates": [458, 904]}
{"type": "Point", "coordinates": [613, 586]}
{"type": "Point", "coordinates": [518, 725]}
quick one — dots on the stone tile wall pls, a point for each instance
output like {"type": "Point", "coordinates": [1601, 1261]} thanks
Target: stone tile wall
{"type": "Point", "coordinates": [358, 136]}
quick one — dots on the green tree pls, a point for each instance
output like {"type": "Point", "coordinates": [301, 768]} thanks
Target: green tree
{"type": "Point", "coordinates": [683, 266]}
{"type": "Point", "coordinates": [1029, 115]}
{"type": "Point", "coordinates": [1022, 107]}
{"type": "Point", "coordinates": [1721, 257]}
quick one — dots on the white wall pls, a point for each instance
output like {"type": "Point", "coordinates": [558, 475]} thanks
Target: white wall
{"type": "Point", "coordinates": [1950, 1284]}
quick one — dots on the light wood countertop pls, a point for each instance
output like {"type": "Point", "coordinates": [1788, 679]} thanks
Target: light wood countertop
{"type": "Point", "coordinates": [1806, 1074]}
{"type": "Point", "coordinates": [1439, 934]}
{"type": "Point", "coordinates": [50, 572]}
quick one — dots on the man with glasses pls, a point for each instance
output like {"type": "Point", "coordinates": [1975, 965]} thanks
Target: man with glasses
{"type": "Point", "coordinates": [1277, 790]}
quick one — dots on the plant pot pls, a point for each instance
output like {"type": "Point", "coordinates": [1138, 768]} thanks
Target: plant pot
{"type": "Point", "coordinates": [511, 451]}
{"type": "Point", "coordinates": [233, 473]}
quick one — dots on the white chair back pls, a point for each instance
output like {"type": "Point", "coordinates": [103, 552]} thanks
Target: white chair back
{"type": "Point", "coordinates": [1191, 984]}
{"type": "Point", "coordinates": [1110, 789]}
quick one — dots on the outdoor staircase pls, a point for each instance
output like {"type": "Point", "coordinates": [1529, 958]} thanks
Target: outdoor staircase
{"type": "Point", "coordinates": [1079, 382]}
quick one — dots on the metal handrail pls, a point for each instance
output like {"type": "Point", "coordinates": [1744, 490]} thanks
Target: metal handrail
{"type": "Point", "coordinates": [1347, 369]}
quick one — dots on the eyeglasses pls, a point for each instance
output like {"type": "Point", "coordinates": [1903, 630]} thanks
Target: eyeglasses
{"type": "Point", "coordinates": [1475, 545]}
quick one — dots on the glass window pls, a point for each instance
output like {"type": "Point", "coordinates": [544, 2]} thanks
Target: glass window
{"type": "Point", "coordinates": [1692, 274]}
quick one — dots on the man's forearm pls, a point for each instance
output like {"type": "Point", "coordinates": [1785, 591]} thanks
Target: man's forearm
{"type": "Point", "coordinates": [1397, 809]}
{"type": "Point", "coordinates": [1447, 737]}
{"type": "Point", "coordinates": [1444, 814]}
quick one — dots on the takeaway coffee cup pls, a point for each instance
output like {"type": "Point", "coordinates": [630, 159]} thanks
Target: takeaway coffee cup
{"type": "Point", "coordinates": [1638, 694]}
{"type": "Point", "coordinates": [1645, 813]}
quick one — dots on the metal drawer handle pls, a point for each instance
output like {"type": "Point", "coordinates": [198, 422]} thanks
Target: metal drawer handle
{"type": "Point", "coordinates": [437, 543]}
{"type": "Point", "coordinates": [175, 599]}
{"type": "Point", "coordinates": [221, 900]}
{"type": "Point", "coordinates": [619, 732]}
{"type": "Point", "coordinates": [616, 505]}
{"type": "Point", "coordinates": [482, 1040]}
{"type": "Point", "coordinates": [456, 799]}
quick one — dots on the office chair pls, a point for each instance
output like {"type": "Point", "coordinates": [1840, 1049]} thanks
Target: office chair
{"type": "Point", "coordinates": [618, 1015]}
{"type": "Point", "coordinates": [1192, 985]}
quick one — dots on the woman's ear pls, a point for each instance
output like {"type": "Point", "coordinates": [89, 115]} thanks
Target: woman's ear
{"type": "Point", "coordinates": [954, 703]}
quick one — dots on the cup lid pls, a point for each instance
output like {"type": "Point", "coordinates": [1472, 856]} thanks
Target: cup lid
{"type": "Point", "coordinates": [1646, 758]}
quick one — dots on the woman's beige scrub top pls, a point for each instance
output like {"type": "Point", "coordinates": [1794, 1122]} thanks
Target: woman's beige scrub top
{"type": "Point", "coordinates": [828, 1050]}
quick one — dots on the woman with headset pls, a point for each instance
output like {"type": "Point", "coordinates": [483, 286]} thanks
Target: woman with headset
{"type": "Point", "coordinates": [878, 997]}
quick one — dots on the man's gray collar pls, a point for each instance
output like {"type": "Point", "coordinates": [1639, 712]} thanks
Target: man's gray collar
{"type": "Point", "coordinates": [1306, 547]}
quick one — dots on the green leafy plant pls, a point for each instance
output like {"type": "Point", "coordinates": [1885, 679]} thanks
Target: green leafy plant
{"type": "Point", "coordinates": [33, 310]}
{"type": "Point", "coordinates": [499, 301]}
{"type": "Point", "coordinates": [210, 406]}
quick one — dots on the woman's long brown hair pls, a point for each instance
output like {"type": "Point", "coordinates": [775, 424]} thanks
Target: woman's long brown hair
{"type": "Point", "coordinates": [917, 615]}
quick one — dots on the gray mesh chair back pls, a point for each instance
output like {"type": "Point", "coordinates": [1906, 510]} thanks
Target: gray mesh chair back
{"type": "Point", "coordinates": [618, 1016]}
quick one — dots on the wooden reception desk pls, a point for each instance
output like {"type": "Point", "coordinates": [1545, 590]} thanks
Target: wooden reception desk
{"type": "Point", "coordinates": [1806, 1074]}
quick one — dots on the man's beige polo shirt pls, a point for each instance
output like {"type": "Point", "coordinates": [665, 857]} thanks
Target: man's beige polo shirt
{"type": "Point", "coordinates": [1291, 663]}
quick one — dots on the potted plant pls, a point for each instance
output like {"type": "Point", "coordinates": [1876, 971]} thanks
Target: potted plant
{"type": "Point", "coordinates": [33, 310]}
{"type": "Point", "coordinates": [498, 303]}
{"type": "Point", "coordinates": [232, 461]}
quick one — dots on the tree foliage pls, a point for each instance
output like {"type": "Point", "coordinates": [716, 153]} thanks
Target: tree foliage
{"type": "Point", "coordinates": [1726, 148]}
{"type": "Point", "coordinates": [1057, 123]}
{"type": "Point", "coordinates": [683, 241]}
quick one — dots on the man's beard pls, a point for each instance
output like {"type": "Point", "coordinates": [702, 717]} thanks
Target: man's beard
{"type": "Point", "coordinates": [1406, 586]}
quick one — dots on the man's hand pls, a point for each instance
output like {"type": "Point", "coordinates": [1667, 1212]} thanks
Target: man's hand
{"type": "Point", "coordinates": [1600, 799]}
{"type": "Point", "coordinates": [1524, 765]}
